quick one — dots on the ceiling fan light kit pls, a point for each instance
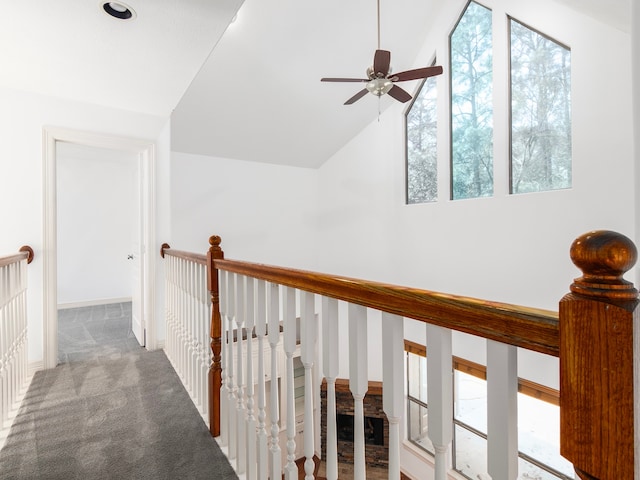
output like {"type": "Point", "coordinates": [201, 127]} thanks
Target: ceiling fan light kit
{"type": "Point", "coordinates": [379, 79]}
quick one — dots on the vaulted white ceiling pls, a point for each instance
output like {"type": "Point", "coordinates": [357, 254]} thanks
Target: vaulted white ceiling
{"type": "Point", "coordinates": [73, 49]}
{"type": "Point", "coordinates": [250, 91]}
{"type": "Point", "coordinates": [259, 97]}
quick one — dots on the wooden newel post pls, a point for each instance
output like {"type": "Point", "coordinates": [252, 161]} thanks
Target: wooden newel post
{"type": "Point", "coordinates": [596, 359]}
{"type": "Point", "coordinates": [215, 370]}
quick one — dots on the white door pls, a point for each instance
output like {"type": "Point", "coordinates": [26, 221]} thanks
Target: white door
{"type": "Point", "coordinates": [137, 257]}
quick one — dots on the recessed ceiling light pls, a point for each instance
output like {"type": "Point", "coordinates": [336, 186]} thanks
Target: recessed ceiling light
{"type": "Point", "coordinates": [119, 10]}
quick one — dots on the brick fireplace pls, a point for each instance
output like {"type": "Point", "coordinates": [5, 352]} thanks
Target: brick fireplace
{"type": "Point", "coordinates": [376, 424]}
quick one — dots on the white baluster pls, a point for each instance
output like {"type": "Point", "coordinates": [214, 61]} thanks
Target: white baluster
{"type": "Point", "coordinates": [290, 469]}
{"type": "Point", "coordinates": [224, 391]}
{"type": "Point", "coordinates": [309, 337]}
{"type": "Point", "coordinates": [502, 410]}
{"type": "Point", "coordinates": [231, 419]}
{"type": "Point", "coordinates": [439, 393]}
{"type": "Point", "coordinates": [358, 383]}
{"type": "Point", "coordinates": [393, 361]}
{"type": "Point", "coordinates": [167, 306]}
{"type": "Point", "coordinates": [241, 416]}
{"type": "Point", "coordinates": [261, 331]}
{"type": "Point", "coordinates": [274, 338]}
{"type": "Point", "coordinates": [190, 324]}
{"type": "Point", "coordinates": [330, 362]}
{"type": "Point", "coordinates": [251, 419]}
{"type": "Point", "coordinates": [205, 339]}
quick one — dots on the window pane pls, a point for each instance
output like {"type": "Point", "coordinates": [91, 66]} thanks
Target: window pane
{"type": "Point", "coordinates": [470, 453]}
{"type": "Point", "coordinates": [417, 376]}
{"type": "Point", "coordinates": [540, 112]}
{"type": "Point", "coordinates": [418, 427]}
{"type": "Point", "coordinates": [422, 143]}
{"type": "Point", "coordinates": [472, 104]}
{"type": "Point", "coordinates": [470, 402]}
{"type": "Point", "coordinates": [539, 434]}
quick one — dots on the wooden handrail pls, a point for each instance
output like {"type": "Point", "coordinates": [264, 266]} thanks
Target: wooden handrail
{"type": "Point", "coordinates": [199, 258]}
{"type": "Point", "coordinates": [26, 252]}
{"type": "Point", "coordinates": [528, 328]}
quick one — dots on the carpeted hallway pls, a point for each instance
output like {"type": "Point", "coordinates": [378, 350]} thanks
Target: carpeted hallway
{"type": "Point", "coordinates": [110, 410]}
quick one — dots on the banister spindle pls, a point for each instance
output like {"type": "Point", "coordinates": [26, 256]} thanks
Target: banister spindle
{"type": "Point", "coordinates": [393, 399]}
{"type": "Point", "coordinates": [215, 334]}
{"type": "Point", "coordinates": [502, 410]}
{"type": "Point", "coordinates": [309, 335]}
{"type": "Point", "coordinates": [597, 321]}
{"type": "Point", "coordinates": [224, 393]}
{"type": "Point", "coordinates": [241, 427]}
{"type": "Point", "coordinates": [231, 333]}
{"type": "Point", "coordinates": [261, 331]}
{"type": "Point", "coordinates": [439, 393]}
{"type": "Point", "coordinates": [250, 469]}
{"type": "Point", "coordinates": [358, 383]}
{"type": "Point", "coordinates": [290, 469]}
{"type": "Point", "coordinates": [205, 340]}
{"type": "Point", "coordinates": [273, 311]}
{"type": "Point", "coordinates": [330, 365]}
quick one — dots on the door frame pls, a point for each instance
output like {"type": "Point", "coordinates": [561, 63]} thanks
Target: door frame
{"type": "Point", "coordinates": [146, 152]}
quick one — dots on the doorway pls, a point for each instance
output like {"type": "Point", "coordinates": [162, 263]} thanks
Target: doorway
{"type": "Point", "coordinates": [98, 210]}
{"type": "Point", "coordinates": [142, 263]}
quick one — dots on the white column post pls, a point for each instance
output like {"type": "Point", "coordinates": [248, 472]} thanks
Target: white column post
{"type": "Point", "coordinates": [290, 469]}
{"type": "Point", "coordinates": [261, 331]}
{"type": "Point", "coordinates": [241, 427]}
{"type": "Point", "coordinates": [308, 350]}
{"type": "Point", "coordinates": [440, 395]}
{"type": "Point", "coordinates": [502, 410]}
{"type": "Point", "coordinates": [224, 391]}
{"type": "Point", "coordinates": [358, 383]}
{"type": "Point", "coordinates": [231, 419]}
{"type": "Point", "coordinates": [330, 365]}
{"type": "Point", "coordinates": [274, 338]}
{"type": "Point", "coordinates": [393, 385]}
{"type": "Point", "coordinates": [251, 419]}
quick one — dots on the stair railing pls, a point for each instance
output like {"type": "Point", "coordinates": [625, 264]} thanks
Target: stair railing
{"type": "Point", "coordinates": [593, 335]}
{"type": "Point", "coordinates": [13, 333]}
{"type": "Point", "coordinates": [188, 314]}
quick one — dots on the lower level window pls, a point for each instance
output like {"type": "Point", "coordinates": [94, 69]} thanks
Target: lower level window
{"type": "Point", "coordinates": [538, 424]}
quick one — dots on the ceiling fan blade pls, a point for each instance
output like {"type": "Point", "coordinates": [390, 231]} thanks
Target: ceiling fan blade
{"type": "Point", "coordinates": [399, 94]}
{"type": "Point", "coordinates": [344, 80]}
{"type": "Point", "coordinates": [381, 62]}
{"type": "Point", "coordinates": [417, 73]}
{"type": "Point", "coordinates": [357, 96]}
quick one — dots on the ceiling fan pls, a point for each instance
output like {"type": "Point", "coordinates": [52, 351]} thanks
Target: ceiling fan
{"type": "Point", "coordinates": [381, 81]}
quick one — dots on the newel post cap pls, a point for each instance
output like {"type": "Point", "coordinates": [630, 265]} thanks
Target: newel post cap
{"type": "Point", "coordinates": [604, 257]}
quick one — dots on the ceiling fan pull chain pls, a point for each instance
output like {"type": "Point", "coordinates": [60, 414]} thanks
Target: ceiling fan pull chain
{"type": "Point", "coordinates": [378, 24]}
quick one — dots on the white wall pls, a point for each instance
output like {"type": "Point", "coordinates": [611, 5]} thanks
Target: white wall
{"type": "Point", "coordinates": [22, 119]}
{"type": "Point", "coordinates": [97, 202]}
{"type": "Point", "coordinates": [264, 213]}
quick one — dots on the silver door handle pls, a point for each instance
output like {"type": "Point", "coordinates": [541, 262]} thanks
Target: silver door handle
{"type": "Point", "coordinates": [130, 257]}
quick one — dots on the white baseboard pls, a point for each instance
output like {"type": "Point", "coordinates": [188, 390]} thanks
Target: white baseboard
{"type": "Point", "coordinates": [34, 367]}
{"type": "Point", "coordinates": [93, 303]}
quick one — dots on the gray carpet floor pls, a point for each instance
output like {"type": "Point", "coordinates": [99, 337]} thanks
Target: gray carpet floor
{"type": "Point", "coordinates": [110, 410]}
